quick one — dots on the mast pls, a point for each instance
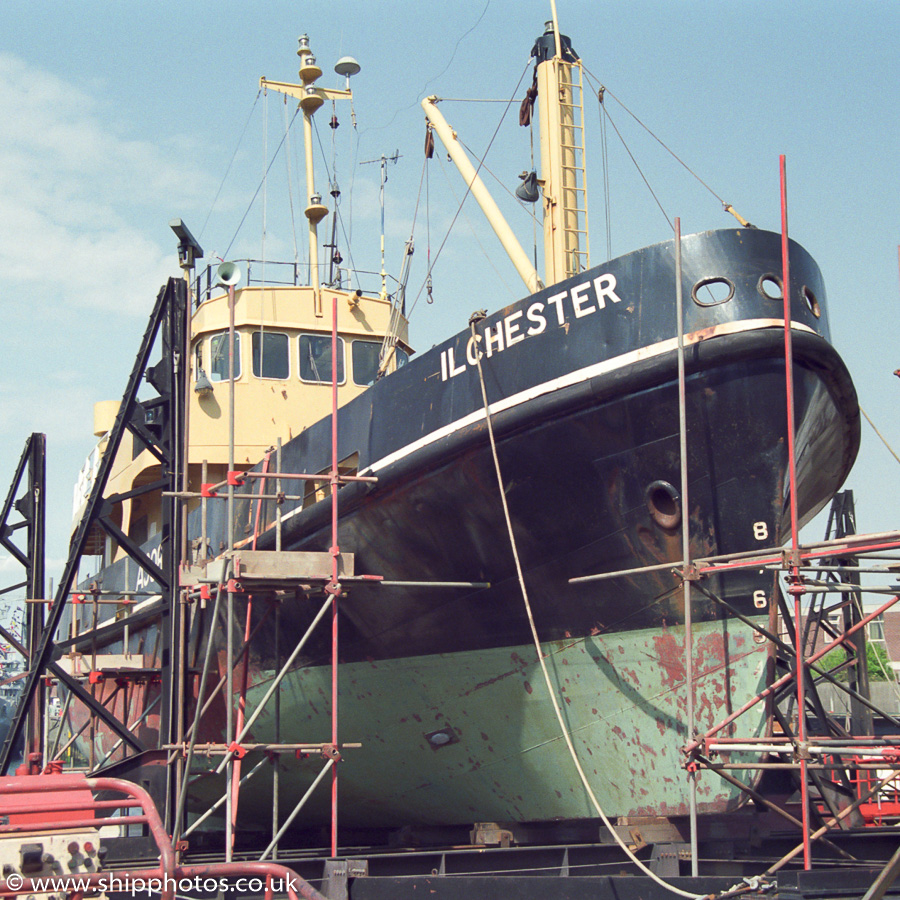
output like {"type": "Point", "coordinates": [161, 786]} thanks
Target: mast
{"type": "Point", "coordinates": [561, 127]}
{"type": "Point", "coordinates": [561, 114]}
{"type": "Point", "coordinates": [311, 98]}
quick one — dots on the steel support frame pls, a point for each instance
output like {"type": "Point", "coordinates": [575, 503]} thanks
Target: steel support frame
{"type": "Point", "coordinates": [157, 424]}
{"type": "Point", "coordinates": [854, 620]}
{"type": "Point", "coordinates": [31, 506]}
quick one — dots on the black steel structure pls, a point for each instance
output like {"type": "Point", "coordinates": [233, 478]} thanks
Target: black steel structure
{"type": "Point", "coordinates": [158, 424]}
{"type": "Point", "coordinates": [30, 478]}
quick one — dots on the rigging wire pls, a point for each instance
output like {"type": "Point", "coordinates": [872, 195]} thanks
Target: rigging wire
{"type": "Point", "coordinates": [528, 208]}
{"type": "Point", "coordinates": [354, 164]}
{"type": "Point", "coordinates": [398, 306]}
{"type": "Point", "coordinates": [535, 224]}
{"type": "Point", "coordinates": [605, 112]}
{"type": "Point", "coordinates": [455, 48]}
{"type": "Point", "coordinates": [601, 90]}
{"type": "Point", "coordinates": [422, 92]}
{"type": "Point", "coordinates": [264, 227]}
{"type": "Point", "coordinates": [335, 192]}
{"type": "Point", "coordinates": [607, 200]}
{"type": "Point", "coordinates": [258, 189]}
{"type": "Point", "coordinates": [355, 272]}
{"type": "Point", "coordinates": [478, 168]}
{"type": "Point", "coordinates": [230, 163]}
{"type": "Point", "coordinates": [290, 183]}
{"type": "Point", "coordinates": [488, 256]}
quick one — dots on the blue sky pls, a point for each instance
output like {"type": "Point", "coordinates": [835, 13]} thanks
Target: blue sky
{"type": "Point", "coordinates": [121, 116]}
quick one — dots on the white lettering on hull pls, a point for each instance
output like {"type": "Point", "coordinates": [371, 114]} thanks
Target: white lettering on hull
{"type": "Point", "coordinates": [577, 303]}
{"type": "Point", "coordinates": [144, 578]}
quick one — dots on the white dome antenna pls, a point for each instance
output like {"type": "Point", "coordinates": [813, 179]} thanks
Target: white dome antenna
{"type": "Point", "coordinates": [347, 66]}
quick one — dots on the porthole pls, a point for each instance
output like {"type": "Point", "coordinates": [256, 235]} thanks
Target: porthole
{"type": "Point", "coordinates": [664, 504]}
{"type": "Point", "coordinates": [712, 291]}
{"type": "Point", "coordinates": [811, 302]}
{"type": "Point", "coordinates": [770, 286]}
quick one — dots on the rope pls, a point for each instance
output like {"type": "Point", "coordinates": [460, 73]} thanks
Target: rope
{"type": "Point", "coordinates": [476, 317]}
{"type": "Point", "coordinates": [883, 441]}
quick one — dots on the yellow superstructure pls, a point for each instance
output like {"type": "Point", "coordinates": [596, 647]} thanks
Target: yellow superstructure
{"type": "Point", "coordinates": [282, 385]}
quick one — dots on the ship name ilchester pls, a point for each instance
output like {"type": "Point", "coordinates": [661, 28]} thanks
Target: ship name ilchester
{"type": "Point", "coordinates": [577, 302]}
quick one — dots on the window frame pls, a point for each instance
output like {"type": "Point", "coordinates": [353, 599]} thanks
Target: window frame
{"type": "Point", "coordinates": [353, 343]}
{"type": "Point", "coordinates": [238, 368]}
{"type": "Point", "coordinates": [263, 332]}
{"type": "Point", "coordinates": [326, 337]}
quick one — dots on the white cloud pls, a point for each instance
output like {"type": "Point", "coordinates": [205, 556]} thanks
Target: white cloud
{"type": "Point", "coordinates": [80, 200]}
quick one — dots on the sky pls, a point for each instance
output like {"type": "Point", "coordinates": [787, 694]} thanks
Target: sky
{"type": "Point", "coordinates": [120, 116]}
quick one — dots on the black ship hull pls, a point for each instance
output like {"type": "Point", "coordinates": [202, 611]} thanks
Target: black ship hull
{"type": "Point", "coordinates": [582, 387]}
{"type": "Point", "coordinates": [586, 420]}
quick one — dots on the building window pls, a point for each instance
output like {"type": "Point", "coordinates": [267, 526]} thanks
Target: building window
{"type": "Point", "coordinates": [876, 629]}
{"type": "Point", "coordinates": [270, 354]}
{"type": "Point", "coordinates": [218, 356]}
{"type": "Point", "coordinates": [365, 361]}
{"type": "Point", "coordinates": [315, 358]}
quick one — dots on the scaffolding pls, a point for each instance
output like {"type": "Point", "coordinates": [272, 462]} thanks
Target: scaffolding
{"type": "Point", "coordinates": [845, 776]}
{"type": "Point", "coordinates": [839, 772]}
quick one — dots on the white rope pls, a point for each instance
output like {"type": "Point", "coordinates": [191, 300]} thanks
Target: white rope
{"type": "Point", "coordinates": [537, 643]}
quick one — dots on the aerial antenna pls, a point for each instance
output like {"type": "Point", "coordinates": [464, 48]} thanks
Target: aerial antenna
{"type": "Point", "coordinates": [384, 160]}
{"type": "Point", "coordinates": [348, 66]}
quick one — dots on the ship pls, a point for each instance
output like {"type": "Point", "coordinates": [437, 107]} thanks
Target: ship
{"type": "Point", "coordinates": [465, 497]}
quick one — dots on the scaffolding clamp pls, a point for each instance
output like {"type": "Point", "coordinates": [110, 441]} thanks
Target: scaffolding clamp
{"type": "Point", "coordinates": [235, 477]}
{"type": "Point", "coordinates": [801, 751]}
{"type": "Point", "coordinates": [330, 751]}
{"type": "Point", "coordinates": [235, 748]}
{"type": "Point", "coordinates": [95, 677]}
{"type": "Point", "coordinates": [233, 586]}
{"type": "Point", "coordinates": [689, 572]}
{"type": "Point", "coordinates": [208, 489]}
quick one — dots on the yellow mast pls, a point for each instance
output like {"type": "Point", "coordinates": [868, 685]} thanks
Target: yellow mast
{"type": "Point", "coordinates": [311, 98]}
{"type": "Point", "coordinates": [561, 128]}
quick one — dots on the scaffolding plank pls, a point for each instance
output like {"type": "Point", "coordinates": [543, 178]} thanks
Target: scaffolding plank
{"type": "Point", "coordinates": [288, 565]}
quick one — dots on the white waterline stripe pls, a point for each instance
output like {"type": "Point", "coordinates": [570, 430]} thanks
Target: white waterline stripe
{"type": "Point", "coordinates": [576, 377]}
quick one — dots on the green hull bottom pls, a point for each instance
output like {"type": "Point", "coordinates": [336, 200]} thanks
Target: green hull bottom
{"type": "Point", "coordinates": [503, 759]}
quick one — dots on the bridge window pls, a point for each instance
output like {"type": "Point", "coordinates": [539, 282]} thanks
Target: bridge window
{"type": "Point", "coordinates": [270, 354]}
{"type": "Point", "coordinates": [315, 358]}
{"type": "Point", "coordinates": [365, 361]}
{"type": "Point", "coordinates": [218, 356]}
